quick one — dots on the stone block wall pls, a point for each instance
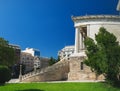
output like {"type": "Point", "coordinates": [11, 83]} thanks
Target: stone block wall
{"type": "Point", "coordinates": [76, 73]}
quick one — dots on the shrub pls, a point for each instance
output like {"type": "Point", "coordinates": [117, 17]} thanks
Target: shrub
{"type": "Point", "coordinates": [5, 74]}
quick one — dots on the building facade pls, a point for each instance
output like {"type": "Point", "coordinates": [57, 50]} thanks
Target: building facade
{"type": "Point", "coordinates": [37, 63]}
{"type": "Point", "coordinates": [32, 51]}
{"type": "Point", "coordinates": [17, 52]}
{"type": "Point", "coordinates": [89, 26]}
{"type": "Point", "coordinates": [41, 62]}
{"type": "Point", "coordinates": [66, 52]}
{"type": "Point", "coordinates": [30, 57]}
{"type": "Point", "coordinates": [28, 60]}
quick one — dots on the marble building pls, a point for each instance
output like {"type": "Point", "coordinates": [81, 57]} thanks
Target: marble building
{"type": "Point", "coordinates": [89, 26]}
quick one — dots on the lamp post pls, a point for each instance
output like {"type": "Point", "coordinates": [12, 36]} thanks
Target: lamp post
{"type": "Point", "coordinates": [20, 75]}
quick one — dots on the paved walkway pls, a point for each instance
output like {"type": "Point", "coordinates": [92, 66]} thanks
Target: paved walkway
{"type": "Point", "coordinates": [17, 81]}
{"type": "Point", "coordinates": [14, 81]}
{"type": "Point", "coordinates": [76, 81]}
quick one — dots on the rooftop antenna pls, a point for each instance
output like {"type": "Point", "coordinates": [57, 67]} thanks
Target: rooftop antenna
{"type": "Point", "coordinates": [118, 7]}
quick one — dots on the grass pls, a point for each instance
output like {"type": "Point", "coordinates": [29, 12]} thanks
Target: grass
{"type": "Point", "coordinates": [58, 87]}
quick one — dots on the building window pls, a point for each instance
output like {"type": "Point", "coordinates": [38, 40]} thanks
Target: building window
{"type": "Point", "coordinates": [81, 66]}
{"type": "Point", "coordinates": [68, 55]}
{"type": "Point", "coordinates": [27, 58]}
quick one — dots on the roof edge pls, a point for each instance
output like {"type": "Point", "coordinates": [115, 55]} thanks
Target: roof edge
{"type": "Point", "coordinates": [74, 18]}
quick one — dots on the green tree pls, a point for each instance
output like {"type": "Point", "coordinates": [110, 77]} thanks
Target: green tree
{"type": "Point", "coordinates": [7, 54]}
{"type": "Point", "coordinates": [5, 74]}
{"type": "Point", "coordinates": [58, 59]}
{"type": "Point", "coordinates": [52, 61]}
{"type": "Point", "coordinates": [103, 56]}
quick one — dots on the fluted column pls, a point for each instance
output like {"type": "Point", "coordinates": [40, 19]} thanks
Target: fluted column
{"type": "Point", "coordinates": [77, 40]}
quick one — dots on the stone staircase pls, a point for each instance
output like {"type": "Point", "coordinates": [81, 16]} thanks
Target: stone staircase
{"type": "Point", "coordinates": [56, 72]}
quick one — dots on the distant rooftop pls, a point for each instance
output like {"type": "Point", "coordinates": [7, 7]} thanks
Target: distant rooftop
{"type": "Point", "coordinates": [71, 46]}
{"type": "Point", "coordinates": [14, 46]}
{"type": "Point", "coordinates": [32, 49]}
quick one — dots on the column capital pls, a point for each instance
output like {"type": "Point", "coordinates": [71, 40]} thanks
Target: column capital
{"type": "Point", "coordinates": [79, 28]}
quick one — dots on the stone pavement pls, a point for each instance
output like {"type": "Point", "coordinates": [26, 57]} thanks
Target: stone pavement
{"type": "Point", "coordinates": [17, 81]}
{"type": "Point", "coordinates": [14, 81]}
{"type": "Point", "coordinates": [75, 81]}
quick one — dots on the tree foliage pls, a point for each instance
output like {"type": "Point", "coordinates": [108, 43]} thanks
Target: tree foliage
{"type": "Point", "coordinates": [7, 54]}
{"type": "Point", "coordinates": [52, 61]}
{"type": "Point", "coordinates": [58, 59]}
{"type": "Point", "coordinates": [103, 55]}
{"type": "Point", "coordinates": [5, 74]}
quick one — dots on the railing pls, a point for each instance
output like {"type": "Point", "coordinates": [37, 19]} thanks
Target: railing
{"type": "Point", "coordinates": [31, 74]}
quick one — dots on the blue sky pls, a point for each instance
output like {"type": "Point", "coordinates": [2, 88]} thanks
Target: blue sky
{"type": "Point", "coordinates": [46, 24]}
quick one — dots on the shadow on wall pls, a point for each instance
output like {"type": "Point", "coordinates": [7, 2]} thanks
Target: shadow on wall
{"type": "Point", "coordinates": [30, 90]}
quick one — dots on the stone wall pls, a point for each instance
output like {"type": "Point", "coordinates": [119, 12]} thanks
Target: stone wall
{"type": "Point", "coordinates": [58, 71]}
{"type": "Point", "coordinates": [78, 73]}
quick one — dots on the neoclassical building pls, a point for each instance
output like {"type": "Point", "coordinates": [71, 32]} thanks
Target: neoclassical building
{"type": "Point", "coordinates": [89, 26]}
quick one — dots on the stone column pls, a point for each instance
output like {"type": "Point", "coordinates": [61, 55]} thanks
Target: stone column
{"type": "Point", "coordinates": [81, 41]}
{"type": "Point", "coordinates": [77, 39]}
